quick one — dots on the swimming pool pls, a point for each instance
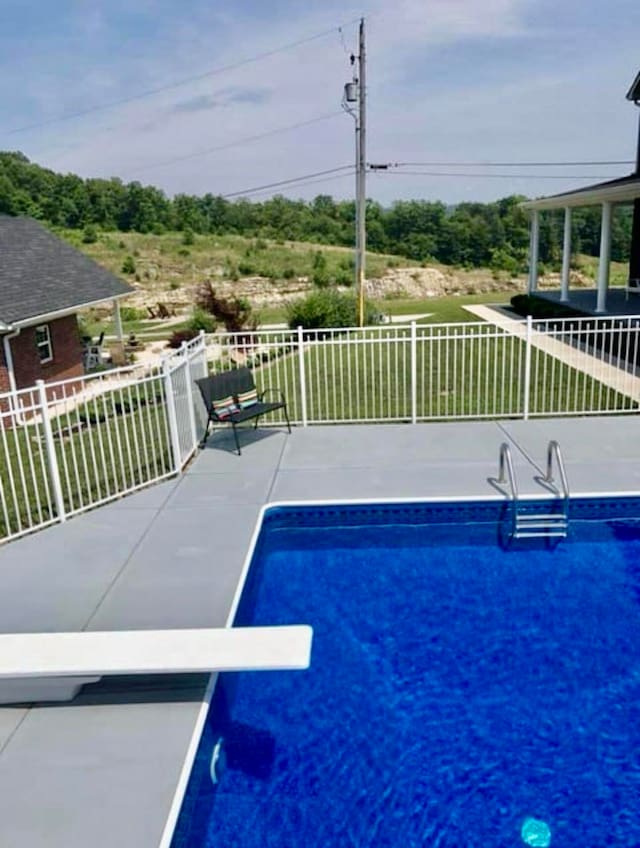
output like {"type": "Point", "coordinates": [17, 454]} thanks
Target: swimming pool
{"type": "Point", "coordinates": [460, 693]}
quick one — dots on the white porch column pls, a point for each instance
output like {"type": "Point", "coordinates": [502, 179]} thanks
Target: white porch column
{"type": "Point", "coordinates": [533, 251]}
{"type": "Point", "coordinates": [605, 257]}
{"type": "Point", "coordinates": [566, 257]}
{"type": "Point", "coordinates": [117, 319]}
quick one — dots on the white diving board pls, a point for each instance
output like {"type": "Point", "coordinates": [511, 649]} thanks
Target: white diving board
{"type": "Point", "coordinates": [78, 658]}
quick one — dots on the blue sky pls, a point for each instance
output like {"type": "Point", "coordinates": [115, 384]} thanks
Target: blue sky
{"type": "Point", "coordinates": [448, 80]}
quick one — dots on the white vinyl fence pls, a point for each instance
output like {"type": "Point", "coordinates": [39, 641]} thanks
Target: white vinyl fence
{"type": "Point", "coordinates": [69, 446]}
{"type": "Point", "coordinates": [75, 444]}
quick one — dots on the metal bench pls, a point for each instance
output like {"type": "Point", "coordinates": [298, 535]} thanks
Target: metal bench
{"type": "Point", "coordinates": [232, 398]}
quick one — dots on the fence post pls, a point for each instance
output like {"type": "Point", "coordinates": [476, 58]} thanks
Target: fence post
{"type": "Point", "coordinates": [303, 378]}
{"type": "Point", "coordinates": [203, 347]}
{"type": "Point", "coordinates": [191, 410]}
{"type": "Point", "coordinates": [171, 416]}
{"type": "Point", "coordinates": [414, 373]}
{"type": "Point", "coordinates": [527, 369]}
{"type": "Point", "coordinates": [50, 449]}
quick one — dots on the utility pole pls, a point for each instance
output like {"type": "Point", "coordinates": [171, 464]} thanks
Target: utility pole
{"type": "Point", "coordinates": [355, 93]}
{"type": "Point", "coordinates": [361, 200]}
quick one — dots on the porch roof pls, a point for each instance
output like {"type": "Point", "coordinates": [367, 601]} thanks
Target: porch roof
{"type": "Point", "coordinates": [620, 190]}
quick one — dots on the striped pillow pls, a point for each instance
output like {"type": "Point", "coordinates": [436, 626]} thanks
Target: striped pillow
{"type": "Point", "coordinates": [224, 407]}
{"type": "Point", "coordinates": [246, 399]}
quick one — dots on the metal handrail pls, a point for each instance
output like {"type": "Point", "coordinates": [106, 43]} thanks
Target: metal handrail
{"type": "Point", "coordinates": [506, 462]}
{"type": "Point", "coordinates": [553, 450]}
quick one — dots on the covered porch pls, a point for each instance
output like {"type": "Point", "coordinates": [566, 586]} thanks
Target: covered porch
{"type": "Point", "coordinates": [601, 300]}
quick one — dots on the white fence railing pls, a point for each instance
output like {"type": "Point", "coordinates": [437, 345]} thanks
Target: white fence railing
{"type": "Point", "coordinates": [75, 444]}
{"type": "Point", "coordinates": [510, 368]}
{"type": "Point", "coordinates": [68, 446]}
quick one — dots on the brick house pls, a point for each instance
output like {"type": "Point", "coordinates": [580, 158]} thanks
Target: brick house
{"type": "Point", "coordinates": [43, 283]}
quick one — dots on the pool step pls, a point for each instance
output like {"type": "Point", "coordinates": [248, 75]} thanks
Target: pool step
{"type": "Point", "coordinates": [530, 525]}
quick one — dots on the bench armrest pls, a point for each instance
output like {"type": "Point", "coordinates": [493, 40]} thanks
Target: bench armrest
{"type": "Point", "coordinates": [274, 390]}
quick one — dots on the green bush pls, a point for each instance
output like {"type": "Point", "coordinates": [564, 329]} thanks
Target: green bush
{"type": "Point", "coordinates": [132, 313]}
{"type": "Point", "coordinates": [328, 309]}
{"type": "Point", "coordinates": [246, 268]}
{"type": "Point", "coordinates": [188, 237]}
{"type": "Point", "coordinates": [320, 273]}
{"type": "Point", "coordinates": [129, 266]}
{"type": "Point", "coordinates": [288, 274]}
{"type": "Point", "coordinates": [344, 277]}
{"type": "Point", "coordinates": [202, 320]}
{"type": "Point", "coordinates": [89, 234]}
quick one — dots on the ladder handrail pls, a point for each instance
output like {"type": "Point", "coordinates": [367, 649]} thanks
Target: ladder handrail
{"type": "Point", "coordinates": [506, 461]}
{"type": "Point", "coordinates": [553, 450]}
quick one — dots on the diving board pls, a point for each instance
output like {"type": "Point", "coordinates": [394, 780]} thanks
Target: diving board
{"type": "Point", "coordinates": [73, 659]}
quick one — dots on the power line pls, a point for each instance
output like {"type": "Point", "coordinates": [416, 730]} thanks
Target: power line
{"type": "Point", "coordinates": [311, 182]}
{"type": "Point", "coordinates": [499, 176]}
{"type": "Point", "coordinates": [235, 143]}
{"type": "Point", "coordinates": [506, 164]}
{"type": "Point", "coordinates": [256, 189]}
{"type": "Point", "coordinates": [185, 81]}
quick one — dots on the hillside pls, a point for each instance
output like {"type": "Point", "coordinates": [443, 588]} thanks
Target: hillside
{"type": "Point", "coordinates": [269, 273]}
{"type": "Point", "coordinates": [473, 235]}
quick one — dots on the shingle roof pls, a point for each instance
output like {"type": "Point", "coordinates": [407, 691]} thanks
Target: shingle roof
{"type": "Point", "coordinates": [41, 274]}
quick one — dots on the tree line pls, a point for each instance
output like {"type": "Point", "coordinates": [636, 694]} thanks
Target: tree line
{"type": "Point", "coordinates": [469, 234]}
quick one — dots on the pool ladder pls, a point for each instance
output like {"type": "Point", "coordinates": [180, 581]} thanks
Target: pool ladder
{"type": "Point", "coordinates": [526, 522]}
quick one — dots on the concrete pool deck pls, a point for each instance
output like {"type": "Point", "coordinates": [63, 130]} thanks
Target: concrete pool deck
{"type": "Point", "coordinates": [103, 769]}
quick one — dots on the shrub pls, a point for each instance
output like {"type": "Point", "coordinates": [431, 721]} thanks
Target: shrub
{"type": "Point", "coordinates": [182, 336]}
{"type": "Point", "coordinates": [131, 313]}
{"type": "Point", "coordinates": [525, 304]}
{"type": "Point", "coordinates": [235, 313]}
{"type": "Point", "coordinates": [202, 320]}
{"type": "Point", "coordinates": [344, 277]}
{"type": "Point", "coordinates": [188, 237]}
{"type": "Point", "coordinates": [89, 234]}
{"type": "Point", "coordinates": [261, 244]}
{"type": "Point", "coordinates": [288, 274]}
{"type": "Point", "coordinates": [246, 268]}
{"type": "Point", "coordinates": [320, 272]}
{"type": "Point", "coordinates": [184, 251]}
{"type": "Point", "coordinates": [129, 266]}
{"type": "Point", "coordinates": [174, 284]}
{"type": "Point", "coordinates": [328, 309]}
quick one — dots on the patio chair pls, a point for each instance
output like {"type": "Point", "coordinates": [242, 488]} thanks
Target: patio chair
{"type": "Point", "coordinates": [231, 398]}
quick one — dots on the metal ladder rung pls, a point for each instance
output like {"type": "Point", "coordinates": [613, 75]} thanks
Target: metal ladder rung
{"type": "Point", "coordinates": [541, 525]}
{"type": "Point", "coordinates": [562, 534]}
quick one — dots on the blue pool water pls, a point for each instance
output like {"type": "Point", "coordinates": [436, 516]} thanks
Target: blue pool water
{"type": "Point", "coordinates": [460, 694]}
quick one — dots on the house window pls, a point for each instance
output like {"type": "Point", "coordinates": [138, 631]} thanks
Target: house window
{"type": "Point", "coordinates": [43, 343]}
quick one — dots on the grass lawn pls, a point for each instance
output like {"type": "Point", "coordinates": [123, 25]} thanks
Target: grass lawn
{"type": "Point", "coordinates": [478, 377]}
{"type": "Point", "coordinates": [443, 310]}
{"type": "Point", "coordinates": [104, 447]}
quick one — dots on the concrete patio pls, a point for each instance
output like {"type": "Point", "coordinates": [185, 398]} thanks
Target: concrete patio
{"type": "Point", "coordinates": [103, 770]}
